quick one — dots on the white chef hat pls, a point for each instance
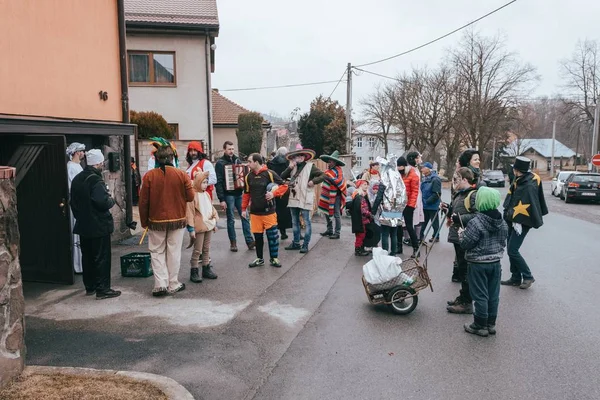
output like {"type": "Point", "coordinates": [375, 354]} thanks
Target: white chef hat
{"type": "Point", "coordinates": [94, 157]}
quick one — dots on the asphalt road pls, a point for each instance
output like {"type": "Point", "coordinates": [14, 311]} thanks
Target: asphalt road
{"type": "Point", "coordinates": [307, 331]}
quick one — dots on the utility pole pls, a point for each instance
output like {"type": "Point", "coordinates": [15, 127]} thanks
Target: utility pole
{"type": "Point", "coordinates": [494, 155]}
{"type": "Point", "coordinates": [553, 143]}
{"type": "Point", "coordinates": [349, 109]}
{"type": "Point", "coordinates": [595, 132]}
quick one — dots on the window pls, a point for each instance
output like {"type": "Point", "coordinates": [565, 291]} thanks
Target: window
{"type": "Point", "coordinates": [372, 142]}
{"type": "Point", "coordinates": [371, 159]}
{"type": "Point", "coordinates": [359, 161]}
{"type": "Point", "coordinates": [359, 142]}
{"type": "Point", "coordinates": [175, 130]}
{"type": "Point", "coordinates": [152, 68]}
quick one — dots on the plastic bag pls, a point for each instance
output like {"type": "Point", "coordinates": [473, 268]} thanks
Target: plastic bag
{"type": "Point", "coordinates": [382, 267]}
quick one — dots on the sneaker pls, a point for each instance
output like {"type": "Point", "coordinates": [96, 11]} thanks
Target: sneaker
{"type": "Point", "coordinates": [406, 242]}
{"type": "Point", "coordinates": [178, 288]}
{"type": "Point", "coordinates": [293, 246]}
{"type": "Point", "coordinates": [159, 292]}
{"type": "Point", "coordinates": [491, 329]}
{"type": "Point", "coordinates": [283, 237]}
{"type": "Point", "coordinates": [511, 282]}
{"type": "Point", "coordinates": [461, 308]}
{"type": "Point", "coordinates": [275, 262]}
{"type": "Point", "coordinates": [259, 262]}
{"type": "Point", "coordinates": [107, 294]}
{"type": "Point", "coordinates": [526, 283]}
{"type": "Point", "coordinates": [304, 250]}
{"type": "Point", "coordinates": [476, 329]}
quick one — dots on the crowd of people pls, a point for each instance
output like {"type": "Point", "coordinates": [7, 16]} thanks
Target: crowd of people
{"type": "Point", "coordinates": [391, 204]}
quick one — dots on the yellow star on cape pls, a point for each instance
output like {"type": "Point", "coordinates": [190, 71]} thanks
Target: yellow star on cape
{"type": "Point", "coordinates": [521, 209]}
{"type": "Point", "coordinates": [537, 178]}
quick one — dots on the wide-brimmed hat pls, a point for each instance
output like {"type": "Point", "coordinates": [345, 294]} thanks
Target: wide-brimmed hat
{"type": "Point", "coordinates": [333, 157]}
{"type": "Point", "coordinates": [522, 164]}
{"type": "Point", "coordinates": [307, 153]}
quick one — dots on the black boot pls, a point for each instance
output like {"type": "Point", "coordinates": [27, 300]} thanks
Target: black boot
{"type": "Point", "coordinates": [360, 251]}
{"type": "Point", "coordinates": [195, 276]}
{"type": "Point", "coordinates": [208, 273]}
{"type": "Point", "coordinates": [327, 233]}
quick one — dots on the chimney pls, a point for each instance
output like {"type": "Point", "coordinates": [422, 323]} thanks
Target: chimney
{"type": "Point", "coordinates": [215, 90]}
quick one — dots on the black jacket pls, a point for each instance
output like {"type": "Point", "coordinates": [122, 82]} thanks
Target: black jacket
{"type": "Point", "coordinates": [220, 172]}
{"type": "Point", "coordinates": [459, 208]}
{"type": "Point", "coordinates": [91, 204]}
{"type": "Point", "coordinates": [525, 203]}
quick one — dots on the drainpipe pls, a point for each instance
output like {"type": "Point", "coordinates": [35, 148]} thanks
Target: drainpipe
{"type": "Point", "coordinates": [131, 224]}
{"type": "Point", "coordinates": [208, 93]}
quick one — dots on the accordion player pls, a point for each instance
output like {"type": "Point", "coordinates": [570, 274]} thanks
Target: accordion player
{"type": "Point", "coordinates": [234, 176]}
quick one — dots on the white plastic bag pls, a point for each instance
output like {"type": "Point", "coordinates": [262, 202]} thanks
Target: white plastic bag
{"type": "Point", "coordinates": [382, 267]}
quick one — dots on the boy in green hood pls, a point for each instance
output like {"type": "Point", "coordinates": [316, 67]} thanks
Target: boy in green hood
{"type": "Point", "coordinates": [484, 241]}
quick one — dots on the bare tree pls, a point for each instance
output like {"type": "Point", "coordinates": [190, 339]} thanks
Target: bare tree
{"type": "Point", "coordinates": [379, 110]}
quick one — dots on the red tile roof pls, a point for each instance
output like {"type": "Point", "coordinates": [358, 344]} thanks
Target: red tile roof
{"type": "Point", "coordinates": [225, 111]}
{"type": "Point", "coordinates": [193, 12]}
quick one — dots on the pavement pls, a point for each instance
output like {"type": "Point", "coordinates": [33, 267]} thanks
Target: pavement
{"type": "Point", "coordinates": [307, 331]}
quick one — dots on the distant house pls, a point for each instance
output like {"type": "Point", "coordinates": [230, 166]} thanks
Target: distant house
{"type": "Point", "coordinates": [540, 153]}
{"type": "Point", "coordinates": [225, 122]}
{"type": "Point", "coordinates": [366, 147]}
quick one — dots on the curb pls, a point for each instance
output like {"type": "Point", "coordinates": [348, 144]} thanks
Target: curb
{"type": "Point", "coordinates": [170, 387]}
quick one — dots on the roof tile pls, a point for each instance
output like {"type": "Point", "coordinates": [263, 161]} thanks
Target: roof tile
{"type": "Point", "coordinates": [196, 12]}
{"type": "Point", "coordinates": [225, 111]}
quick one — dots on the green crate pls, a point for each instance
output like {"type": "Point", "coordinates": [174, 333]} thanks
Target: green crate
{"type": "Point", "coordinates": [137, 265]}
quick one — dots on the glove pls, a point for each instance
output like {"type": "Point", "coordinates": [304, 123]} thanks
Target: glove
{"type": "Point", "coordinates": [518, 229]}
{"type": "Point", "coordinates": [456, 219]}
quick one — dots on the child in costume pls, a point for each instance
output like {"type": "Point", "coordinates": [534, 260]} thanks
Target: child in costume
{"type": "Point", "coordinates": [361, 216]}
{"type": "Point", "coordinates": [201, 223]}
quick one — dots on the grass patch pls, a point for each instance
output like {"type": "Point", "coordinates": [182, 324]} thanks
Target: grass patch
{"type": "Point", "coordinates": [80, 387]}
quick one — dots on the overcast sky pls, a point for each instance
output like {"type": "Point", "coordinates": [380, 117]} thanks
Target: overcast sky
{"type": "Point", "coordinates": [279, 42]}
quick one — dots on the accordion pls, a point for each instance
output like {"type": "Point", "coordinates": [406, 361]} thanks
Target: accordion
{"type": "Point", "coordinates": [234, 176]}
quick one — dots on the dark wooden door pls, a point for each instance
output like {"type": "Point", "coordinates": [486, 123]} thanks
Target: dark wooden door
{"type": "Point", "coordinates": [42, 200]}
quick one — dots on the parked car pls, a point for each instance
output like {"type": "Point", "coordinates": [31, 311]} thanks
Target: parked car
{"type": "Point", "coordinates": [558, 181]}
{"type": "Point", "coordinates": [494, 178]}
{"type": "Point", "coordinates": [581, 187]}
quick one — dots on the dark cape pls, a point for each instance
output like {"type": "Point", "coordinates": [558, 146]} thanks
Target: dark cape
{"type": "Point", "coordinates": [525, 203]}
{"type": "Point", "coordinates": [284, 217]}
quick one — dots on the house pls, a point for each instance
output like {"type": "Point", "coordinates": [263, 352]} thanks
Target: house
{"type": "Point", "coordinates": [540, 153]}
{"type": "Point", "coordinates": [170, 57]}
{"type": "Point", "coordinates": [366, 147]}
{"type": "Point", "coordinates": [225, 123]}
{"type": "Point", "coordinates": [64, 81]}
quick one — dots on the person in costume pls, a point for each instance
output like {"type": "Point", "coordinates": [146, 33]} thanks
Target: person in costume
{"type": "Point", "coordinates": [91, 203]}
{"type": "Point", "coordinates": [201, 223]}
{"type": "Point", "coordinates": [361, 215]}
{"type": "Point", "coordinates": [75, 152]}
{"type": "Point", "coordinates": [166, 190]}
{"type": "Point", "coordinates": [411, 183]}
{"type": "Point", "coordinates": [262, 186]}
{"type": "Point", "coordinates": [231, 200]}
{"type": "Point", "coordinates": [284, 217]}
{"type": "Point", "coordinates": [460, 212]}
{"type": "Point", "coordinates": [484, 241]}
{"type": "Point", "coordinates": [373, 177]}
{"type": "Point", "coordinates": [524, 208]}
{"type": "Point", "coordinates": [431, 189]}
{"type": "Point", "coordinates": [198, 162]}
{"type": "Point", "coordinates": [333, 194]}
{"type": "Point", "coordinates": [303, 175]}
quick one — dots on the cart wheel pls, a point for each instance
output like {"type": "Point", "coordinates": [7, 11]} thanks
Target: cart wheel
{"type": "Point", "coordinates": [400, 304]}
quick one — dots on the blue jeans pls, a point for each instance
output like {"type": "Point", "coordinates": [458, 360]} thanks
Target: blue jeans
{"type": "Point", "coordinates": [296, 225]}
{"type": "Point", "coordinates": [236, 201]}
{"type": "Point", "coordinates": [388, 232]}
{"type": "Point", "coordinates": [518, 266]}
{"type": "Point", "coordinates": [484, 285]}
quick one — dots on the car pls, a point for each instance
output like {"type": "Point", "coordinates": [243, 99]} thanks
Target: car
{"type": "Point", "coordinates": [558, 181]}
{"type": "Point", "coordinates": [583, 186]}
{"type": "Point", "coordinates": [494, 178]}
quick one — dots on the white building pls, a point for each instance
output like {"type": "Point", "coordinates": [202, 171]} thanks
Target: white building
{"type": "Point", "coordinates": [366, 147]}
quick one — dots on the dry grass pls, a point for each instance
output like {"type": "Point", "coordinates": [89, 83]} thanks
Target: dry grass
{"type": "Point", "coordinates": [80, 387]}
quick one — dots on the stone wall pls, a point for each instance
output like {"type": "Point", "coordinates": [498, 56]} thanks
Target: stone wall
{"type": "Point", "coordinates": [116, 186]}
{"type": "Point", "coordinates": [12, 304]}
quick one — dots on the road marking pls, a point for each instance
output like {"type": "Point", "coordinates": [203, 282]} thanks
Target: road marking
{"type": "Point", "coordinates": [284, 312]}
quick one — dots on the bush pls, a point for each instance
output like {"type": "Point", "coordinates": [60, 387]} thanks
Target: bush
{"type": "Point", "coordinates": [249, 133]}
{"type": "Point", "coordinates": [150, 124]}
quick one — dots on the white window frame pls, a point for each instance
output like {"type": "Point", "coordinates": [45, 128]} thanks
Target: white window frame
{"type": "Point", "coordinates": [359, 142]}
{"type": "Point", "coordinates": [358, 161]}
{"type": "Point", "coordinates": [372, 142]}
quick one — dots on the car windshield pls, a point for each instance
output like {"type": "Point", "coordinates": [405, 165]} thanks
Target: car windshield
{"type": "Point", "coordinates": [586, 178]}
{"type": "Point", "coordinates": [494, 174]}
{"type": "Point", "coordinates": [563, 175]}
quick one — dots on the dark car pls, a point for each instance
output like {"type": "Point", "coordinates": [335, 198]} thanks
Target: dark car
{"type": "Point", "coordinates": [581, 187]}
{"type": "Point", "coordinates": [494, 178]}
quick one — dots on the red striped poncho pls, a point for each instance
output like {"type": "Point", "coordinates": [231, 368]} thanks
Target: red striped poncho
{"type": "Point", "coordinates": [333, 184]}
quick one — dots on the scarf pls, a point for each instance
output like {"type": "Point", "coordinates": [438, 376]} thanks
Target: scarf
{"type": "Point", "coordinates": [333, 184]}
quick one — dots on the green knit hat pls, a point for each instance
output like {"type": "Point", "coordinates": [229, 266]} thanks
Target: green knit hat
{"type": "Point", "coordinates": [487, 199]}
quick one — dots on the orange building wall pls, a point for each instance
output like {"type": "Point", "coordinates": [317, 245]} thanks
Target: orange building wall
{"type": "Point", "coordinates": [57, 55]}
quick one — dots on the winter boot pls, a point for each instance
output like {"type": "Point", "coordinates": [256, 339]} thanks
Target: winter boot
{"type": "Point", "coordinates": [195, 276]}
{"type": "Point", "coordinates": [464, 307]}
{"type": "Point", "coordinates": [208, 273]}
{"type": "Point", "coordinates": [360, 251]}
{"type": "Point", "coordinates": [327, 233]}
{"type": "Point", "coordinates": [491, 326]}
{"type": "Point", "coordinates": [478, 327]}
{"type": "Point", "coordinates": [233, 246]}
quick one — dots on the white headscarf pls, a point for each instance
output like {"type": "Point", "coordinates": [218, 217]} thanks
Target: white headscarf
{"type": "Point", "coordinates": [74, 148]}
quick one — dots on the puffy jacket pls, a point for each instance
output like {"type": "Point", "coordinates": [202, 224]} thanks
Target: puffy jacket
{"type": "Point", "coordinates": [484, 238]}
{"type": "Point", "coordinates": [91, 204]}
{"type": "Point", "coordinates": [411, 182]}
{"type": "Point", "coordinates": [458, 207]}
{"type": "Point", "coordinates": [431, 188]}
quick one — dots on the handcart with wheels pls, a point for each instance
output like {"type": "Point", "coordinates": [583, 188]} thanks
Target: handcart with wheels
{"type": "Point", "coordinates": [401, 293]}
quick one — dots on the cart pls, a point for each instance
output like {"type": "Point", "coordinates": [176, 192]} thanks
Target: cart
{"type": "Point", "coordinates": [401, 293]}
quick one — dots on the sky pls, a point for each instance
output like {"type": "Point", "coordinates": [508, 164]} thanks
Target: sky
{"type": "Point", "coordinates": [280, 42]}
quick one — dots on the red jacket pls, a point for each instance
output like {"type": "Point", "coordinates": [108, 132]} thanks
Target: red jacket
{"type": "Point", "coordinates": [411, 181]}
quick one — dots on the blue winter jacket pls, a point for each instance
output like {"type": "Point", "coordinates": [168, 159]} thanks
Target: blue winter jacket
{"type": "Point", "coordinates": [431, 188]}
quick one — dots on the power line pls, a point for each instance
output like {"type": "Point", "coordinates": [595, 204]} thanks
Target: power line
{"type": "Point", "coordinates": [376, 74]}
{"type": "Point", "coordinates": [279, 87]}
{"type": "Point", "coordinates": [439, 38]}
{"type": "Point", "coordinates": [336, 86]}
